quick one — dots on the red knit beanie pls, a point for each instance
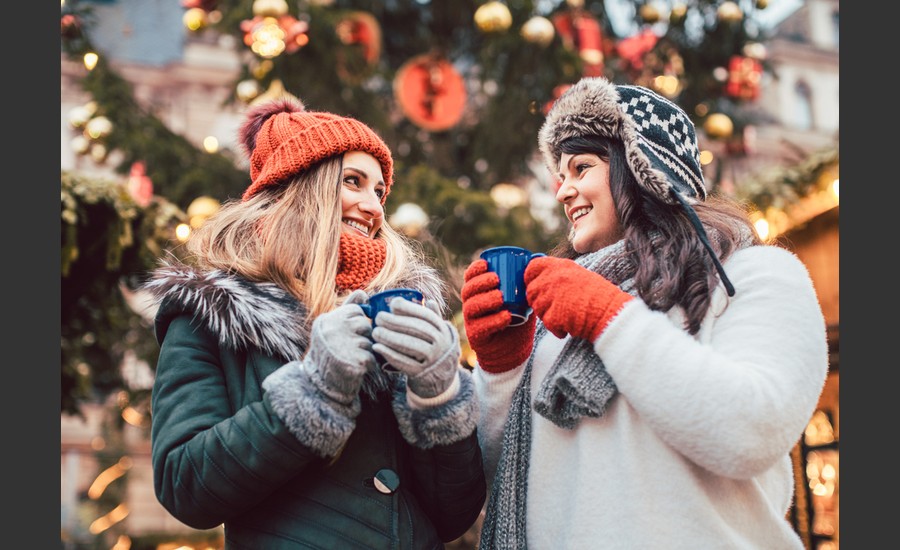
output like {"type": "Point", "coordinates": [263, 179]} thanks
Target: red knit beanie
{"type": "Point", "coordinates": [282, 139]}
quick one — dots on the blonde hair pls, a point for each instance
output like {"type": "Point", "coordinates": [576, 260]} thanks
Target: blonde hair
{"type": "Point", "coordinates": [289, 235]}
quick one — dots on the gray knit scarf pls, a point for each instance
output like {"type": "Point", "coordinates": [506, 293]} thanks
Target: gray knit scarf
{"type": "Point", "coordinates": [576, 386]}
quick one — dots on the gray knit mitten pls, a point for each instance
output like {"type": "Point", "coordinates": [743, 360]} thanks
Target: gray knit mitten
{"type": "Point", "coordinates": [340, 349]}
{"type": "Point", "coordinates": [415, 340]}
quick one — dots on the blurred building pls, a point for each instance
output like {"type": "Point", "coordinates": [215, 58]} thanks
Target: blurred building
{"type": "Point", "coordinates": [803, 99]}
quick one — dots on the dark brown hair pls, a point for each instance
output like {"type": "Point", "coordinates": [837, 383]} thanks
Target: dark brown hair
{"type": "Point", "coordinates": [669, 263]}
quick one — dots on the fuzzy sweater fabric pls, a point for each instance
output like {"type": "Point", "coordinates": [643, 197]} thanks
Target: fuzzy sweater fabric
{"type": "Point", "coordinates": [693, 452]}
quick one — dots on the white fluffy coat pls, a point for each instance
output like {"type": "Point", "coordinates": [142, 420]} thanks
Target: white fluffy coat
{"type": "Point", "coordinates": [694, 451]}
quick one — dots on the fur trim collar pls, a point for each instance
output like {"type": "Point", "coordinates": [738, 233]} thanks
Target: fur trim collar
{"type": "Point", "coordinates": [245, 314]}
{"type": "Point", "coordinates": [241, 313]}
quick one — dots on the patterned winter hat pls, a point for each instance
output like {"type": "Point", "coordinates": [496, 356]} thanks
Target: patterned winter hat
{"type": "Point", "coordinates": [282, 139]}
{"type": "Point", "coordinates": [660, 142]}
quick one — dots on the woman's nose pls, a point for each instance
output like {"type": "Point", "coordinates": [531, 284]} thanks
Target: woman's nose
{"type": "Point", "coordinates": [371, 204]}
{"type": "Point", "coordinates": [566, 191]}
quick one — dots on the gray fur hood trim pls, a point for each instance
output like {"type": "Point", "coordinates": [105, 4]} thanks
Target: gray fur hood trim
{"type": "Point", "coordinates": [241, 313]}
{"type": "Point", "coordinates": [660, 141]}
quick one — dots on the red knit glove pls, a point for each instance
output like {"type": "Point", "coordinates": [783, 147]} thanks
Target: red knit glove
{"type": "Point", "coordinates": [571, 299]}
{"type": "Point", "coordinates": [499, 347]}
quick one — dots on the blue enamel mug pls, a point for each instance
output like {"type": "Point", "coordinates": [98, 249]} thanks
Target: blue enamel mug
{"type": "Point", "coordinates": [380, 301]}
{"type": "Point", "coordinates": [509, 263]}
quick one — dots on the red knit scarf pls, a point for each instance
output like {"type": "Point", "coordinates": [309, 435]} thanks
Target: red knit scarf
{"type": "Point", "coordinates": [360, 261]}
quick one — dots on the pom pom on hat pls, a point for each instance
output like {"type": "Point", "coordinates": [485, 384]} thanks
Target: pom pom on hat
{"type": "Point", "coordinates": [660, 142]}
{"type": "Point", "coordinates": [283, 139]}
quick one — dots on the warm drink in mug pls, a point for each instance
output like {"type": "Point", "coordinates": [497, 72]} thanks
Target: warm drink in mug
{"type": "Point", "coordinates": [509, 262]}
{"type": "Point", "coordinates": [380, 302]}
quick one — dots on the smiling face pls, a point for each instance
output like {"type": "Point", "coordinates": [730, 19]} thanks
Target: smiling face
{"type": "Point", "coordinates": [362, 187]}
{"type": "Point", "coordinates": [588, 201]}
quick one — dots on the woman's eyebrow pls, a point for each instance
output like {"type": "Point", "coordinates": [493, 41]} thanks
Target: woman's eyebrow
{"type": "Point", "coordinates": [362, 173]}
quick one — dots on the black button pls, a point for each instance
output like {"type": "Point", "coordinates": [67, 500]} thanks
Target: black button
{"type": "Point", "coordinates": [386, 481]}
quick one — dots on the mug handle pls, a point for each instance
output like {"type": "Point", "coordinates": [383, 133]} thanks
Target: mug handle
{"type": "Point", "coordinates": [536, 255]}
{"type": "Point", "coordinates": [367, 309]}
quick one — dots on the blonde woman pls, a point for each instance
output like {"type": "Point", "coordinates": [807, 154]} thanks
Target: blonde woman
{"type": "Point", "coordinates": [270, 413]}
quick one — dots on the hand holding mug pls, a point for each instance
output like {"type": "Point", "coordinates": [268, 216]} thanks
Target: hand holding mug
{"type": "Point", "coordinates": [414, 339]}
{"type": "Point", "coordinates": [509, 263]}
{"type": "Point", "coordinates": [380, 302]}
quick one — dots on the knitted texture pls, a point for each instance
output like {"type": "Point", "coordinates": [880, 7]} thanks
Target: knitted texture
{"type": "Point", "coordinates": [504, 519]}
{"type": "Point", "coordinates": [577, 384]}
{"type": "Point", "coordinates": [498, 346]}
{"type": "Point", "coordinates": [360, 261]}
{"type": "Point", "coordinates": [659, 137]}
{"type": "Point", "coordinates": [570, 299]}
{"type": "Point", "coordinates": [284, 139]}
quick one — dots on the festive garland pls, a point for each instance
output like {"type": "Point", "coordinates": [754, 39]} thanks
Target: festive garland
{"type": "Point", "coordinates": [784, 186]}
{"type": "Point", "coordinates": [107, 240]}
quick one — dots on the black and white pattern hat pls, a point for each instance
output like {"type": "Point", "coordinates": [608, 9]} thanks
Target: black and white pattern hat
{"type": "Point", "coordinates": [660, 142]}
{"type": "Point", "coordinates": [659, 137]}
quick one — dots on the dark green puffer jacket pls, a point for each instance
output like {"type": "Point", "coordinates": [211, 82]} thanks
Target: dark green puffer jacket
{"type": "Point", "coordinates": [231, 447]}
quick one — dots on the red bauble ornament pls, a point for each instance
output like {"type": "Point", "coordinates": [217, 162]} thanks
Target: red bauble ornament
{"type": "Point", "coordinates": [430, 92]}
{"type": "Point", "coordinates": [579, 30]}
{"type": "Point", "coordinates": [744, 75]}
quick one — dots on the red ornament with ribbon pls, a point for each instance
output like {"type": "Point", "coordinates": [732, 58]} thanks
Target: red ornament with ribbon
{"type": "Point", "coordinates": [744, 75]}
{"type": "Point", "coordinates": [430, 92]}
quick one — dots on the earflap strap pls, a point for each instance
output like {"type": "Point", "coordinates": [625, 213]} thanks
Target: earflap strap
{"type": "Point", "coordinates": [701, 232]}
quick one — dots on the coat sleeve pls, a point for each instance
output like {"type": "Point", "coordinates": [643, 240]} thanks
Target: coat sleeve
{"type": "Point", "coordinates": [211, 463]}
{"type": "Point", "coordinates": [735, 399]}
{"type": "Point", "coordinates": [446, 458]}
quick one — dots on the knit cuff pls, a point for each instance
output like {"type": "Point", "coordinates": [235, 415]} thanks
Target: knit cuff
{"type": "Point", "coordinates": [316, 420]}
{"type": "Point", "coordinates": [417, 402]}
{"type": "Point", "coordinates": [443, 424]}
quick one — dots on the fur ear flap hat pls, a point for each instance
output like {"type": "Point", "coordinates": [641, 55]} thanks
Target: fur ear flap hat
{"type": "Point", "coordinates": [660, 142]}
{"type": "Point", "coordinates": [282, 139]}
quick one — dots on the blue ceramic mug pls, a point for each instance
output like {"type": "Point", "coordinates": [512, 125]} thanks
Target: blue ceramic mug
{"type": "Point", "coordinates": [380, 301]}
{"type": "Point", "coordinates": [509, 263]}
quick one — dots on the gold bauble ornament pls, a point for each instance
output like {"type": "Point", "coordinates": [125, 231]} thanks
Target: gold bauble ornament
{"type": "Point", "coordinates": [729, 12]}
{"type": "Point", "coordinates": [80, 145]}
{"type": "Point", "coordinates": [678, 12]}
{"type": "Point", "coordinates": [98, 152]}
{"type": "Point", "coordinates": [649, 13]}
{"type": "Point", "coordinates": [195, 19]}
{"type": "Point", "coordinates": [493, 16]}
{"type": "Point", "coordinates": [261, 69]}
{"type": "Point", "coordinates": [718, 126]}
{"type": "Point", "coordinates": [247, 90]}
{"type": "Point", "coordinates": [755, 50]}
{"type": "Point", "coordinates": [270, 8]}
{"type": "Point", "coordinates": [79, 116]}
{"type": "Point", "coordinates": [200, 209]}
{"type": "Point", "coordinates": [538, 30]}
{"type": "Point", "coordinates": [762, 4]}
{"type": "Point", "coordinates": [98, 127]}
{"type": "Point", "coordinates": [275, 91]}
